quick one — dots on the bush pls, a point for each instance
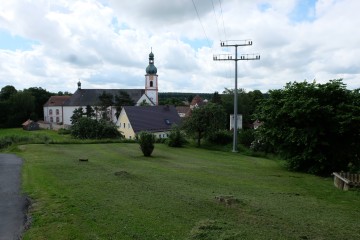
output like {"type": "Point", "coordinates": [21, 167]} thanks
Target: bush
{"type": "Point", "coordinates": [176, 138]}
{"type": "Point", "coordinates": [246, 137]}
{"type": "Point", "coordinates": [146, 141]}
{"type": "Point", "coordinates": [87, 128]}
{"type": "Point", "coordinates": [221, 137]}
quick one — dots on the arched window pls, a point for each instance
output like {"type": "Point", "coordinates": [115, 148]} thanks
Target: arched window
{"type": "Point", "coordinates": [57, 119]}
{"type": "Point", "coordinates": [50, 111]}
{"type": "Point", "coordinates": [151, 83]}
{"type": "Point", "coordinates": [51, 119]}
{"type": "Point", "coordinates": [57, 111]}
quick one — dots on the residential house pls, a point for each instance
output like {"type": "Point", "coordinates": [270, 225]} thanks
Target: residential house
{"type": "Point", "coordinates": [156, 119]}
{"type": "Point", "coordinates": [54, 109]}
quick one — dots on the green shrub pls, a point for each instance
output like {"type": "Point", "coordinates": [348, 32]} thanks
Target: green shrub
{"type": "Point", "coordinates": [176, 137]}
{"type": "Point", "coordinates": [246, 137]}
{"type": "Point", "coordinates": [221, 137]}
{"type": "Point", "coordinates": [87, 128]}
{"type": "Point", "coordinates": [146, 141]}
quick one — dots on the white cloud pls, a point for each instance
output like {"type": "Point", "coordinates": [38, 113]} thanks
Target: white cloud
{"type": "Point", "coordinates": [106, 43]}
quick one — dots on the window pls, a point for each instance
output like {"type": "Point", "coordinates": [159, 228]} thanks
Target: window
{"type": "Point", "coordinates": [57, 112]}
{"type": "Point", "coordinates": [151, 83]}
{"type": "Point", "coordinates": [57, 119]}
{"type": "Point", "coordinates": [51, 119]}
{"type": "Point", "coordinates": [124, 125]}
{"type": "Point", "coordinates": [129, 137]}
{"type": "Point", "coordinates": [50, 111]}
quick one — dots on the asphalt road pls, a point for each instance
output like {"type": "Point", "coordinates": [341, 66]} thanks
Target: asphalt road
{"type": "Point", "coordinates": [12, 203]}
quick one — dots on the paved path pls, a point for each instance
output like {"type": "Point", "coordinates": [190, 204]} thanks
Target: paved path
{"type": "Point", "coordinates": [12, 203]}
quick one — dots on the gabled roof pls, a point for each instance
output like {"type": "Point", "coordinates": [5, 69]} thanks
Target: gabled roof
{"type": "Point", "coordinates": [152, 118]}
{"type": "Point", "coordinates": [56, 101]}
{"type": "Point", "coordinates": [83, 97]}
{"type": "Point", "coordinates": [183, 110]}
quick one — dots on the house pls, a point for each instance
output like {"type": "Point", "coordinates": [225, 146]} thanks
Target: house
{"type": "Point", "coordinates": [54, 109]}
{"type": "Point", "coordinates": [183, 111]}
{"type": "Point", "coordinates": [30, 125]}
{"type": "Point", "coordinates": [256, 124]}
{"type": "Point", "coordinates": [155, 119]}
{"type": "Point", "coordinates": [196, 102]}
{"type": "Point", "coordinates": [59, 110]}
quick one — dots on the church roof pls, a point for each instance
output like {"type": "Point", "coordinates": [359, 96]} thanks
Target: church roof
{"type": "Point", "coordinates": [152, 118]}
{"type": "Point", "coordinates": [84, 97]}
{"type": "Point", "coordinates": [56, 101]}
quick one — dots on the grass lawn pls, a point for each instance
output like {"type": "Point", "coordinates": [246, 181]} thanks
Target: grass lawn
{"type": "Point", "coordinates": [119, 194]}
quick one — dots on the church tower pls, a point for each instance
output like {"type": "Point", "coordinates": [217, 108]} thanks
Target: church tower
{"type": "Point", "coordinates": [151, 80]}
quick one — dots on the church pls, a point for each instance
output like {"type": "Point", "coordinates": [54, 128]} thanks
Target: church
{"type": "Point", "coordinates": [59, 109]}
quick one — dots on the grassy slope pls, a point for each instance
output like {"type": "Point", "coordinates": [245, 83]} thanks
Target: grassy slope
{"type": "Point", "coordinates": [172, 196]}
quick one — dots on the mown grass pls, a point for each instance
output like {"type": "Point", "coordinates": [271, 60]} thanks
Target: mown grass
{"type": "Point", "coordinates": [119, 194]}
{"type": "Point", "coordinates": [10, 138]}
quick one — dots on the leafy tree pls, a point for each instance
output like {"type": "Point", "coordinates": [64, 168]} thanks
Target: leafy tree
{"type": "Point", "coordinates": [22, 105]}
{"type": "Point", "coordinates": [146, 141]}
{"type": "Point", "coordinates": [40, 97]}
{"type": "Point", "coordinates": [176, 137]}
{"type": "Point", "coordinates": [88, 128]}
{"type": "Point", "coordinates": [7, 92]}
{"type": "Point", "coordinates": [122, 99]}
{"type": "Point", "coordinates": [316, 127]}
{"type": "Point", "coordinates": [77, 114]}
{"type": "Point", "coordinates": [105, 101]}
{"type": "Point", "coordinates": [89, 112]}
{"type": "Point", "coordinates": [204, 121]}
{"type": "Point", "coordinates": [144, 103]}
{"type": "Point", "coordinates": [216, 98]}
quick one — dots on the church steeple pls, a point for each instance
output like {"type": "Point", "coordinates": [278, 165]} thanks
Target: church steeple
{"type": "Point", "coordinates": [151, 80]}
{"type": "Point", "coordinates": [151, 69]}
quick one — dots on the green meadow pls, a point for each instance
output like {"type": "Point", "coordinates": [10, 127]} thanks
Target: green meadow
{"type": "Point", "coordinates": [185, 193]}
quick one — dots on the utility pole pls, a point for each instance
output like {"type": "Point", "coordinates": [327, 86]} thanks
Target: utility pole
{"type": "Point", "coordinates": [229, 57]}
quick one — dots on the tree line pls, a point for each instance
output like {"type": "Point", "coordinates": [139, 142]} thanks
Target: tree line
{"type": "Point", "coordinates": [16, 106]}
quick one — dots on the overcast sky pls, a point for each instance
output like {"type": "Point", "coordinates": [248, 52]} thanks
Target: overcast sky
{"type": "Point", "coordinates": [106, 43]}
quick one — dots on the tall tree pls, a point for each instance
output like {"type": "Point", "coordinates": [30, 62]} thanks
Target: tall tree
{"type": "Point", "coordinates": [41, 96]}
{"type": "Point", "coordinates": [22, 106]}
{"type": "Point", "coordinates": [7, 92]}
{"type": "Point", "coordinates": [122, 99]}
{"type": "Point", "coordinates": [204, 121]}
{"type": "Point", "coordinates": [105, 101]}
{"type": "Point", "coordinates": [316, 127]}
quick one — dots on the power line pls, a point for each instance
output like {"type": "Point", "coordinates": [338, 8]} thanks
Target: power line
{"type": "Point", "coordinates": [197, 13]}
{"type": "Point", "coordinates": [222, 16]}
{"type": "Point", "coordinates": [217, 25]}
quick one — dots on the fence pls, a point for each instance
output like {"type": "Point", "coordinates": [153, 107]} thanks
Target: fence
{"type": "Point", "coordinates": [345, 181]}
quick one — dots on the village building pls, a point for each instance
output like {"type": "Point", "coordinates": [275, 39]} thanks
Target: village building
{"type": "Point", "coordinates": [59, 109]}
{"type": "Point", "coordinates": [157, 119]}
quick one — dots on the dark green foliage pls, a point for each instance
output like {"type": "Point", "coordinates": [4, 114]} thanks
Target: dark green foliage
{"type": "Point", "coordinates": [105, 101]}
{"type": "Point", "coordinates": [221, 137]}
{"type": "Point", "coordinates": [176, 137]}
{"type": "Point", "coordinates": [316, 127]}
{"type": "Point", "coordinates": [146, 141]}
{"type": "Point", "coordinates": [216, 98]}
{"type": "Point", "coordinates": [204, 121]}
{"type": "Point", "coordinates": [6, 92]}
{"type": "Point", "coordinates": [77, 114]}
{"type": "Point", "coordinates": [87, 128]}
{"type": "Point", "coordinates": [247, 103]}
{"type": "Point", "coordinates": [89, 112]}
{"type": "Point", "coordinates": [22, 106]}
{"type": "Point", "coordinates": [122, 99]}
{"type": "Point", "coordinates": [246, 137]}
{"type": "Point", "coordinates": [40, 98]}
{"type": "Point", "coordinates": [171, 101]}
